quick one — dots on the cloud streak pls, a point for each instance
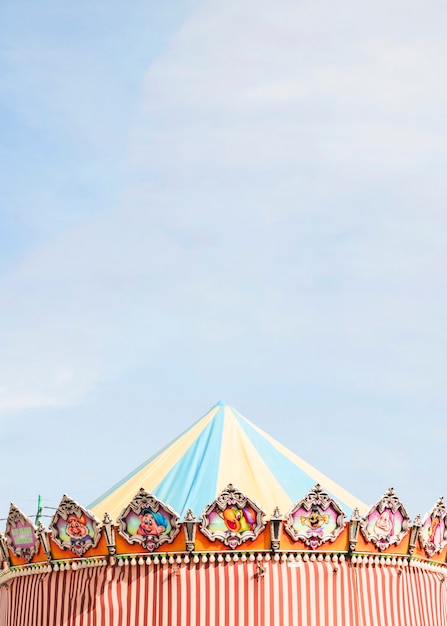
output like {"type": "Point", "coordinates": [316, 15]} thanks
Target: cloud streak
{"type": "Point", "coordinates": [269, 215]}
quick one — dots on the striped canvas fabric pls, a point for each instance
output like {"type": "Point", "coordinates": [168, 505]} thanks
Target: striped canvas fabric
{"type": "Point", "coordinates": [222, 447]}
{"type": "Point", "coordinates": [230, 594]}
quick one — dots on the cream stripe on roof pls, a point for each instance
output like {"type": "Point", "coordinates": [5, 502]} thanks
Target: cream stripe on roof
{"type": "Point", "coordinates": [318, 477]}
{"type": "Point", "coordinates": [242, 465]}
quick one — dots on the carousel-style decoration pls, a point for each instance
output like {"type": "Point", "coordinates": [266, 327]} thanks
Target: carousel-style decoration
{"type": "Point", "coordinates": [315, 519]}
{"type": "Point", "coordinates": [232, 565]}
{"type": "Point", "coordinates": [189, 526]}
{"type": "Point", "coordinates": [21, 534]}
{"type": "Point", "coordinates": [432, 534]}
{"type": "Point", "coordinates": [275, 529]}
{"type": "Point", "coordinates": [354, 529]}
{"type": "Point", "coordinates": [74, 528]}
{"type": "Point", "coordinates": [44, 540]}
{"type": "Point", "coordinates": [386, 523]}
{"type": "Point", "coordinates": [414, 533]}
{"type": "Point", "coordinates": [109, 531]}
{"type": "Point", "coordinates": [232, 518]}
{"type": "Point", "coordinates": [148, 521]}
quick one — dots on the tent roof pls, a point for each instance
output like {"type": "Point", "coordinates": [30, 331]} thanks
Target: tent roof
{"type": "Point", "coordinates": [220, 448]}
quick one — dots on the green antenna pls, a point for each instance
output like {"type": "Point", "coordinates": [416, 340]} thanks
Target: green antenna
{"type": "Point", "coordinates": [39, 509]}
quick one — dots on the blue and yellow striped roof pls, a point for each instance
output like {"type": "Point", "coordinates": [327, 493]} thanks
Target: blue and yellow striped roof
{"type": "Point", "coordinates": [222, 447]}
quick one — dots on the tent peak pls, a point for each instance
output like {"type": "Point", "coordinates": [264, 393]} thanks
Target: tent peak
{"type": "Point", "coordinates": [222, 447]}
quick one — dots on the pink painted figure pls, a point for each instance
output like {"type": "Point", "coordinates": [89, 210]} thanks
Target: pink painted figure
{"type": "Point", "coordinates": [77, 527]}
{"type": "Point", "coordinates": [384, 524]}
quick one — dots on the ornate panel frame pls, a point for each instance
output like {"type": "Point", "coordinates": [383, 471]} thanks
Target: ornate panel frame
{"type": "Point", "coordinates": [315, 519]}
{"type": "Point", "coordinates": [148, 521]}
{"type": "Point", "coordinates": [433, 532]}
{"type": "Point", "coordinates": [21, 535]}
{"type": "Point", "coordinates": [232, 518]}
{"type": "Point", "coordinates": [74, 528]}
{"type": "Point", "coordinates": [386, 523]}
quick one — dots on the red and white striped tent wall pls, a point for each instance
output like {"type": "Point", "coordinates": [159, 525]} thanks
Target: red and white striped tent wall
{"type": "Point", "coordinates": [314, 593]}
{"type": "Point", "coordinates": [312, 566]}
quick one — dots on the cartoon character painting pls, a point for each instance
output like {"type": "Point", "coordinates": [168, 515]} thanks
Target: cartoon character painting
{"type": "Point", "coordinates": [384, 527]}
{"type": "Point", "coordinates": [76, 528]}
{"type": "Point", "coordinates": [148, 522]}
{"type": "Point", "coordinates": [238, 520]}
{"type": "Point", "coordinates": [78, 533]}
{"type": "Point", "coordinates": [384, 524]}
{"type": "Point", "coordinates": [432, 533]}
{"type": "Point", "coordinates": [315, 520]}
{"type": "Point", "coordinates": [232, 518]}
{"type": "Point", "coordinates": [152, 524]}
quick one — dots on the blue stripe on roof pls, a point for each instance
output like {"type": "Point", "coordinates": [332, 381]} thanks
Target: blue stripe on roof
{"type": "Point", "coordinates": [191, 483]}
{"type": "Point", "coordinates": [295, 482]}
{"type": "Point", "coordinates": [145, 463]}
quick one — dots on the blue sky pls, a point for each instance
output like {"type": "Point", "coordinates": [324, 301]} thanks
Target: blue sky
{"type": "Point", "coordinates": [222, 200]}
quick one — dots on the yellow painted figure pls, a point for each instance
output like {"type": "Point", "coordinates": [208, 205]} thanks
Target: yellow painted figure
{"type": "Point", "coordinates": [314, 520]}
{"type": "Point", "coordinates": [238, 520]}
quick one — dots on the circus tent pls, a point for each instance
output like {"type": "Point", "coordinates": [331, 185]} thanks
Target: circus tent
{"type": "Point", "coordinates": [226, 526]}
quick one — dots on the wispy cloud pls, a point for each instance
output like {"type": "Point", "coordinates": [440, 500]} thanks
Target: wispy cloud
{"type": "Point", "coordinates": [265, 205]}
{"type": "Point", "coordinates": [276, 176]}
